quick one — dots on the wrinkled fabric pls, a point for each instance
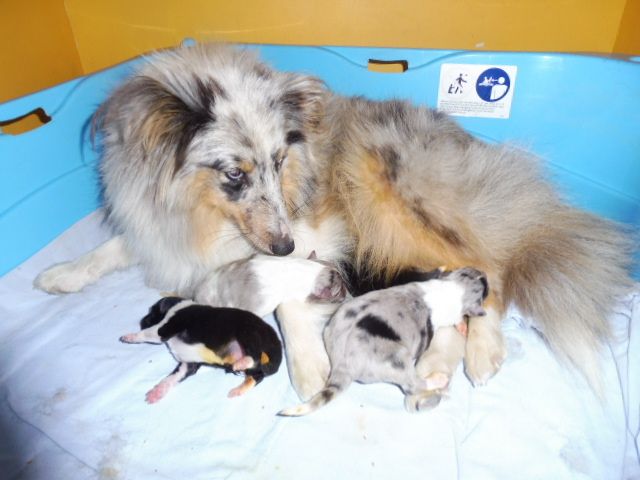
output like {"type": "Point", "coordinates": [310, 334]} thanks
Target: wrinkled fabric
{"type": "Point", "coordinates": [72, 402]}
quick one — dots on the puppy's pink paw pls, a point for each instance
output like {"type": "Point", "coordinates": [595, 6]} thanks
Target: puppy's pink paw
{"type": "Point", "coordinates": [235, 392]}
{"type": "Point", "coordinates": [241, 389]}
{"type": "Point", "coordinates": [243, 364]}
{"type": "Point", "coordinates": [157, 393]}
{"type": "Point", "coordinates": [129, 338]}
{"type": "Point", "coordinates": [437, 381]}
{"type": "Point", "coordinates": [462, 328]}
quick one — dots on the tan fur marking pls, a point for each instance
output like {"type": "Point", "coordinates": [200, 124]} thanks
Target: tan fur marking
{"type": "Point", "coordinates": [291, 182]}
{"type": "Point", "coordinates": [212, 207]}
{"type": "Point", "coordinates": [210, 357]}
{"type": "Point", "coordinates": [494, 301]}
{"type": "Point", "coordinates": [158, 124]}
{"type": "Point", "coordinates": [329, 206]}
{"type": "Point", "coordinates": [207, 212]}
{"type": "Point", "coordinates": [390, 235]}
{"type": "Point", "coordinates": [248, 383]}
{"type": "Point", "coordinates": [246, 167]}
{"type": "Point", "coordinates": [228, 360]}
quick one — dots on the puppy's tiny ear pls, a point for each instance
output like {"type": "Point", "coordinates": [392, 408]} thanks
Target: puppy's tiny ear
{"type": "Point", "coordinates": [476, 311]}
{"type": "Point", "coordinates": [313, 255]}
{"type": "Point", "coordinates": [166, 303]}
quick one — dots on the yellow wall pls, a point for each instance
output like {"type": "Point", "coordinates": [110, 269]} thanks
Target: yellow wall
{"type": "Point", "coordinates": [628, 40]}
{"type": "Point", "coordinates": [37, 48]}
{"type": "Point", "coordinates": [108, 31]}
{"type": "Point", "coordinates": [49, 41]}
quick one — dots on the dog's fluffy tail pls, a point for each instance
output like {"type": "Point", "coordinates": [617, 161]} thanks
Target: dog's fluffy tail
{"type": "Point", "coordinates": [336, 384]}
{"type": "Point", "coordinates": [566, 275]}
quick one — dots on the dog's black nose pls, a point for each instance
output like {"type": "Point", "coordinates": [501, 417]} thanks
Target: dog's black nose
{"type": "Point", "coordinates": [282, 245]}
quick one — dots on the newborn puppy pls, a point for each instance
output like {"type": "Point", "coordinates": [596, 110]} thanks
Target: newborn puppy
{"type": "Point", "coordinates": [262, 282]}
{"type": "Point", "coordinates": [307, 291]}
{"type": "Point", "coordinates": [196, 335]}
{"type": "Point", "coordinates": [378, 336]}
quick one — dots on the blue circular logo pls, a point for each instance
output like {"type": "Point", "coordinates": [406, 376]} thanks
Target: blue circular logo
{"type": "Point", "coordinates": [493, 84]}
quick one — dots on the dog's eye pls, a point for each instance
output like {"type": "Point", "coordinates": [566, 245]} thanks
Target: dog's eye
{"type": "Point", "coordinates": [235, 174]}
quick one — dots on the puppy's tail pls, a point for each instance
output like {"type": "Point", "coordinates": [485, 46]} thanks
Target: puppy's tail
{"type": "Point", "coordinates": [335, 385]}
{"type": "Point", "coordinates": [566, 275]}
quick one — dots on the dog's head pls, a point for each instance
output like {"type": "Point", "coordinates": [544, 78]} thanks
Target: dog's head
{"type": "Point", "coordinates": [158, 311]}
{"type": "Point", "coordinates": [329, 285]}
{"type": "Point", "coordinates": [476, 289]}
{"type": "Point", "coordinates": [220, 135]}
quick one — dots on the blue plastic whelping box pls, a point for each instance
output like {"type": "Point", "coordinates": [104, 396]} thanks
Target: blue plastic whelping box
{"type": "Point", "coordinates": [580, 113]}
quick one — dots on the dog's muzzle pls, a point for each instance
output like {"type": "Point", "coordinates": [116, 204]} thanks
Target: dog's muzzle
{"type": "Point", "coordinates": [282, 245]}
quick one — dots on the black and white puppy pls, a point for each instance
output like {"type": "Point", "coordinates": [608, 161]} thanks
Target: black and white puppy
{"type": "Point", "coordinates": [379, 336]}
{"type": "Point", "coordinates": [196, 335]}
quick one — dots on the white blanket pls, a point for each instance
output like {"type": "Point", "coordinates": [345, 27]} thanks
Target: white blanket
{"type": "Point", "coordinates": [72, 403]}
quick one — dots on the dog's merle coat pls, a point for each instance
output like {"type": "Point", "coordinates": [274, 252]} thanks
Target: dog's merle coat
{"type": "Point", "coordinates": [379, 336]}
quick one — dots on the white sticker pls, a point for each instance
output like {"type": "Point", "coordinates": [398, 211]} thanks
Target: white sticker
{"type": "Point", "coordinates": [476, 90]}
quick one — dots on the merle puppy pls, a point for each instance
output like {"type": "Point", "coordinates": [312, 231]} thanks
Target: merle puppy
{"type": "Point", "coordinates": [379, 336]}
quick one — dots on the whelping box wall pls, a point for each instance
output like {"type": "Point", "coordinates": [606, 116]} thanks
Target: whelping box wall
{"type": "Point", "coordinates": [579, 113]}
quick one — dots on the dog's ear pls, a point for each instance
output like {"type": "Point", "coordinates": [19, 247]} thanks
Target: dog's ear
{"type": "Point", "coordinates": [147, 112]}
{"type": "Point", "coordinates": [303, 100]}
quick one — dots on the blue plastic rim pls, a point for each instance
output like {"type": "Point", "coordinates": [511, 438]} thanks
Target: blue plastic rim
{"type": "Point", "coordinates": [580, 113]}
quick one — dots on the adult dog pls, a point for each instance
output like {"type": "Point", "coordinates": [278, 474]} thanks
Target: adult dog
{"type": "Point", "coordinates": [210, 156]}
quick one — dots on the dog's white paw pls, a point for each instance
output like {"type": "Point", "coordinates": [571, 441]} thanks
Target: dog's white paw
{"type": "Point", "coordinates": [63, 278]}
{"type": "Point", "coordinates": [301, 325]}
{"type": "Point", "coordinates": [70, 277]}
{"type": "Point", "coordinates": [429, 365]}
{"type": "Point", "coordinates": [485, 352]}
{"type": "Point", "coordinates": [308, 373]}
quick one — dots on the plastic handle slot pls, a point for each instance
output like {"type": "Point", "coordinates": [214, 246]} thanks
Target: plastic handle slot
{"type": "Point", "coordinates": [388, 66]}
{"type": "Point", "coordinates": [25, 123]}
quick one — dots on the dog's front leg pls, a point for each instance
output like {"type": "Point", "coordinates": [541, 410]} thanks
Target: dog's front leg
{"type": "Point", "coordinates": [485, 349]}
{"type": "Point", "coordinates": [436, 365]}
{"type": "Point", "coordinates": [301, 324]}
{"type": "Point", "coordinates": [73, 276]}
{"type": "Point", "coordinates": [444, 354]}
